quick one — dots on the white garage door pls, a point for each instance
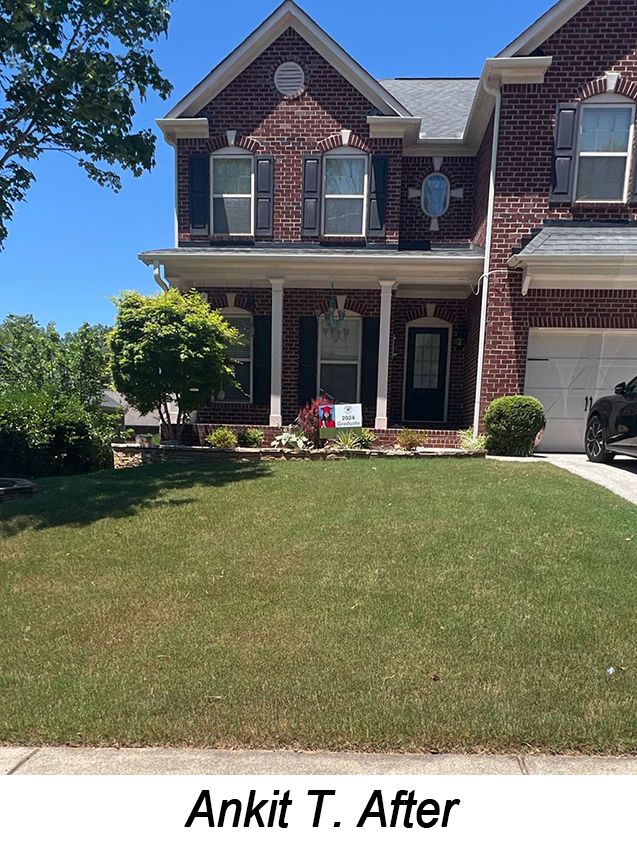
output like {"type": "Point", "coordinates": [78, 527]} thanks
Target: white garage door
{"type": "Point", "coordinates": [565, 367]}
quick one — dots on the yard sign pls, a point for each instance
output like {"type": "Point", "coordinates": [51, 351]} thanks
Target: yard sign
{"type": "Point", "coordinates": [335, 418]}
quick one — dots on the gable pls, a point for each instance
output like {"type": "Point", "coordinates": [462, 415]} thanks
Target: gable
{"type": "Point", "coordinates": [544, 28]}
{"type": "Point", "coordinates": [287, 15]}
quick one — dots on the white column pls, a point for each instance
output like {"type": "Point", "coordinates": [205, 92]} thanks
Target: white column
{"type": "Point", "coordinates": [386, 290]}
{"type": "Point", "coordinates": [276, 378]}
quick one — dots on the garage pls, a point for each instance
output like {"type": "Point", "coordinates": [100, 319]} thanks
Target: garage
{"type": "Point", "coordinates": [567, 369]}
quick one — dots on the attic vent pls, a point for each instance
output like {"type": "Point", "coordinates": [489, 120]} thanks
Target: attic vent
{"type": "Point", "coordinates": [289, 79]}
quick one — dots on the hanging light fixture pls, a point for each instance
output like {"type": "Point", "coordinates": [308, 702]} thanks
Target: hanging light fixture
{"type": "Point", "coordinates": [334, 318]}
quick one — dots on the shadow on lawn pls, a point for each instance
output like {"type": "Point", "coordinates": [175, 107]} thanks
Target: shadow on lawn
{"type": "Point", "coordinates": [83, 499]}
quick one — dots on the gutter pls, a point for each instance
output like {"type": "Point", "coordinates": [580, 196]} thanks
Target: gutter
{"type": "Point", "coordinates": [495, 92]}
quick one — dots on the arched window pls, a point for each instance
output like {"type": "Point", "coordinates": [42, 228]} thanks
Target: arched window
{"type": "Point", "coordinates": [232, 190]}
{"type": "Point", "coordinates": [345, 176]}
{"type": "Point", "coordinates": [241, 354]}
{"type": "Point", "coordinates": [339, 358]}
{"type": "Point", "coordinates": [604, 143]}
{"type": "Point", "coordinates": [435, 195]}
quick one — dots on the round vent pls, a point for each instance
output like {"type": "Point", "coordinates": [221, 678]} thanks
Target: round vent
{"type": "Point", "coordinates": [289, 79]}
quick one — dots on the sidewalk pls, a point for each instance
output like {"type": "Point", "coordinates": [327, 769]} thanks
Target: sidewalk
{"type": "Point", "coordinates": [156, 761]}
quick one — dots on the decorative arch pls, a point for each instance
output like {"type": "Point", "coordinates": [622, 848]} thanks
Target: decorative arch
{"type": "Point", "coordinates": [344, 139]}
{"type": "Point", "coordinates": [611, 83]}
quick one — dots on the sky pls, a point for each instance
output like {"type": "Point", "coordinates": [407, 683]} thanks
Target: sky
{"type": "Point", "coordinates": [73, 245]}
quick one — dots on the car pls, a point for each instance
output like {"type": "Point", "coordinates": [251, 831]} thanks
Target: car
{"type": "Point", "coordinates": [611, 427]}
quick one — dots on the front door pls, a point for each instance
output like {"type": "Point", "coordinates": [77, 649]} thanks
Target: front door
{"type": "Point", "coordinates": [426, 378]}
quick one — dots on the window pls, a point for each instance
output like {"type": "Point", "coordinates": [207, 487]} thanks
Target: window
{"type": "Point", "coordinates": [241, 355]}
{"type": "Point", "coordinates": [435, 195]}
{"type": "Point", "coordinates": [344, 193]}
{"type": "Point", "coordinates": [426, 361]}
{"type": "Point", "coordinates": [232, 184]}
{"type": "Point", "coordinates": [604, 144]}
{"type": "Point", "coordinates": [339, 360]}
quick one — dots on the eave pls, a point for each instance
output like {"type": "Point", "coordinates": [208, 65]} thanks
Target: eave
{"type": "Point", "coordinates": [183, 128]}
{"type": "Point", "coordinates": [576, 272]}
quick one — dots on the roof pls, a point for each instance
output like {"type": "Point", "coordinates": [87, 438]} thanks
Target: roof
{"type": "Point", "coordinates": [442, 104]}
{"type": "Point", "coordinates": [288, 14]}
{"type": "Point", "coordinates": [582, 240]}
{"type": "Point", "coordinates": [544, 27]}
{"type": "Point", "coordinates": [440, 251]}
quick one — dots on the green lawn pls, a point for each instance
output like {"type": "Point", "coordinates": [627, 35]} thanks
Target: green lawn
{"type": "Point", "coordinates": [398, 604]}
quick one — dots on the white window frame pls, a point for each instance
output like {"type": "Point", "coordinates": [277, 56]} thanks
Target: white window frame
{"type": "Point", "coordinates": [605, 102]}
{"type": "Point", "coordinates": [231, 314]}
{"type": "Point", "coordinates": [350, 315]}
{"type": "Point", "coordinates": [231, 154]}
{"type": "Point", "coordinates": [348, 154]}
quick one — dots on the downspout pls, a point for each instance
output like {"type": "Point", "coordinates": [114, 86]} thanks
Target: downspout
{"type": "Point", "coordinates": [495, 92]}
{"type": "Point", "coordinates": [158, 276]}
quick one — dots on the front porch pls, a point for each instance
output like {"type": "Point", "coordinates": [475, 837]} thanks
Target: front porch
{"type": "Point", "coordinates": [396, 331]}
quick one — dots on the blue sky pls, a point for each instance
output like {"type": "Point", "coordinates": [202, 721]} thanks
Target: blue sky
{"type": "Point", "coordinates": [72, 244]}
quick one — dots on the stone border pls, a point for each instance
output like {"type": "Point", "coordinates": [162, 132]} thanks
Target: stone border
{"type": "Point", "coordinates": [132, 456]}
{"type": "Point", "coordinates": [18, 488]}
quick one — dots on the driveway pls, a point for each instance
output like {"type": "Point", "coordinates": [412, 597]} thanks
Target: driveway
{"type": "Point", "coordinates": [619, 476]}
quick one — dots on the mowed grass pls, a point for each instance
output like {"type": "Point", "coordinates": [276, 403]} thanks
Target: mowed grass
{"type": "Point", "coordinates": [378, 605]}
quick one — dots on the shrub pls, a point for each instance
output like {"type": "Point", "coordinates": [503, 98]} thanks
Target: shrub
{"type": "Point", "coordinates": [410, 439]}
{"type": "Point", "coordinates": [308, 419]}
{"type": "Point", "coordinates": [127, 434]}
{"type": "Point", "coordinates": [291, 440]}
{"type": "Point", "coordinates": [467, 440]}
{"type": "Point", "coordinates": [367, 438]}
{"type": "Point", "coordinates": [250, 437]}
{"type": "Point", "coordinates": [41, 435]}
{"type": "Point", "coordinates": [347, 440]}
{"type": "Point", "coordinates": [512, 424]}
{"type": "Point", "coordinates": [222, 438]}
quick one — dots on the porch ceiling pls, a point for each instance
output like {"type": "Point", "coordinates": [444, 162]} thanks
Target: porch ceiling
{"type": "Point", "coordinates": [451, 270]}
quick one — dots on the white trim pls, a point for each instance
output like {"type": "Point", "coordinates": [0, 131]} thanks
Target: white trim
{"type": "Point", "coordinates": [384, 347]}
{"type": "Point", "coordinates": [598, 103]}
{"type": "Point", "coordinates": [345, 154]}
{"type": "Point", "coordinates": [544, 27]}
{"type": "Point", "coordinates": [183, 128]}
{"type": "Point", "coordinates": [576, 272]}
{"type": "Point", "coordinates": [229, 313]}
{"type": "Point", "coordinates": [287, 15]}
{"type": "Point", "coordinates": [351, 315]}
{"type": "Point", "coordinates": [276, 358]}
{"type": "Point", "coordinates": [231, 154]}
{"type": "Point", "coordinates": [428, 323]}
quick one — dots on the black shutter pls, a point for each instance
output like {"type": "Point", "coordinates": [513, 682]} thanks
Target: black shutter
{"type": "Point", "coordinates": [264, 196]}
{"type": "Point", "coordinates": [311, 208]}
{"type": "Point", "coordinates": [199, 166]}
{"type": "Point", "coordinates": [369, 361]}
{"type": "Point", "coordinates": [563, 171]}
{"type": "Point", "coordinates": [308, 340]}
{"type": "Point", "coordinates": [261, 355]}
{"type": "Point", "coordinates": [377, 195]}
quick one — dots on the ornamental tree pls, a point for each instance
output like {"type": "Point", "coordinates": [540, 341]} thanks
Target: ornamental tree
{"type": "Point", "coordinates": [70, 72]}
{"type": "Point", "coordinates": [170, 349]}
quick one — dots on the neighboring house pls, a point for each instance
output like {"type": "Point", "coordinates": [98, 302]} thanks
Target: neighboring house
{"type": "Point", "coordinates": [421, 246]}
{"type": "Point", "coordinates": [113, 401]}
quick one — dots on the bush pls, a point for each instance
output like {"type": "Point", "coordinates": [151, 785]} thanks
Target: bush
{"type": "Point", "coordinates": [467, 440]}
{"type": "Point", "coordinates": [291, 440]}
{"type": "Point", "coordinates": [512, 425]}
{"type": "Point", "coordinates": [347, 440]}
{"type": "Point", "coordinates": [308, 419]}
{"type": "Point", "coordinates": [222, 438]}
{"type": "Point", "coordinates": [42, 435]}
{"type": "Point", "coordinates": [250, 437]}
{"type": "Point", "coordinates": [127, 434]}
{"type": "Point", "coordinates": [410, 439]}
{"type": "Point", "coordinates": [366, 438]}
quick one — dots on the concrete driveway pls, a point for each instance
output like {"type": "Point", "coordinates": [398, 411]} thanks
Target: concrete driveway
{"type": "Point", "coordinates": [619, 476]}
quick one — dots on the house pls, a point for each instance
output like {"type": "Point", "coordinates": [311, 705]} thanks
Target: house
{"type": "Point", "coordinates": [421, 246]}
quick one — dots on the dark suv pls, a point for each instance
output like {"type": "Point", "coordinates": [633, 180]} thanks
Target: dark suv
{"type": "Point", "coordinates": [612, 424]}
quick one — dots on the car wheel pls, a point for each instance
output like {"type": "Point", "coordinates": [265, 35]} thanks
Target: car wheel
{"type": "Point", "coordinates": [596, 442]}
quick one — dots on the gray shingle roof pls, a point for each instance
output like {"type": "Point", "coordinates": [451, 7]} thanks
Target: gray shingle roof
{"type": "Point", "coordinates": [443, 105]}
{"type": "Point", "coordinates": [582, 239]}
{"type": "Point", "coordinates": [441, 250]}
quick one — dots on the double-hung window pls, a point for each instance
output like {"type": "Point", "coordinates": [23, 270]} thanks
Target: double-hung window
{"type": "Point", "coordinates": [232, 186]}
{"type": "Point", "coordinates": [603, 151]}
{"type": "Point", "coordinates": [241, 355]}
{"type": "Point", "coordinates": [345, 179]}
{"type": "Point", "coordinates": [340, 359]}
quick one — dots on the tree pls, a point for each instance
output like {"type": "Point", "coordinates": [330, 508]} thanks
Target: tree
{"type": "Point", "coordinates": [38, 358]}
{"type": "Point", "coordinates": [170, 349]}
{"type": "Point", "coordinates": [70, 71]}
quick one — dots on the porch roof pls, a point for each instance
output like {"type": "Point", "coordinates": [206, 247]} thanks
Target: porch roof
{"type": "Point", "coordinates": [451, 268]}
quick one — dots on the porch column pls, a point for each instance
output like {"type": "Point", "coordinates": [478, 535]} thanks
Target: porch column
{"type": "Point", "coordinates": [384, 335]}
{"type": "Point", "coordinates": [277, 352]}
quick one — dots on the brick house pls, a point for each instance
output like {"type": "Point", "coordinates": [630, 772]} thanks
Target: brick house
{"type": "Point", "coordinates": [420, 246]}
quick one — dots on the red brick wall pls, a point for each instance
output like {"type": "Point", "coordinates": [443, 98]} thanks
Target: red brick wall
{"type": "Point", "coordinates": [602, 37]}
{"type": "Point", "coordinates": [456, 225]}
{"type": "Point", "coordinates": [288, 128]}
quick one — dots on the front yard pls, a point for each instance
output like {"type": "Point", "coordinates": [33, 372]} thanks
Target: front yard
{"type": "Point", "coordinates": [381, 605]}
